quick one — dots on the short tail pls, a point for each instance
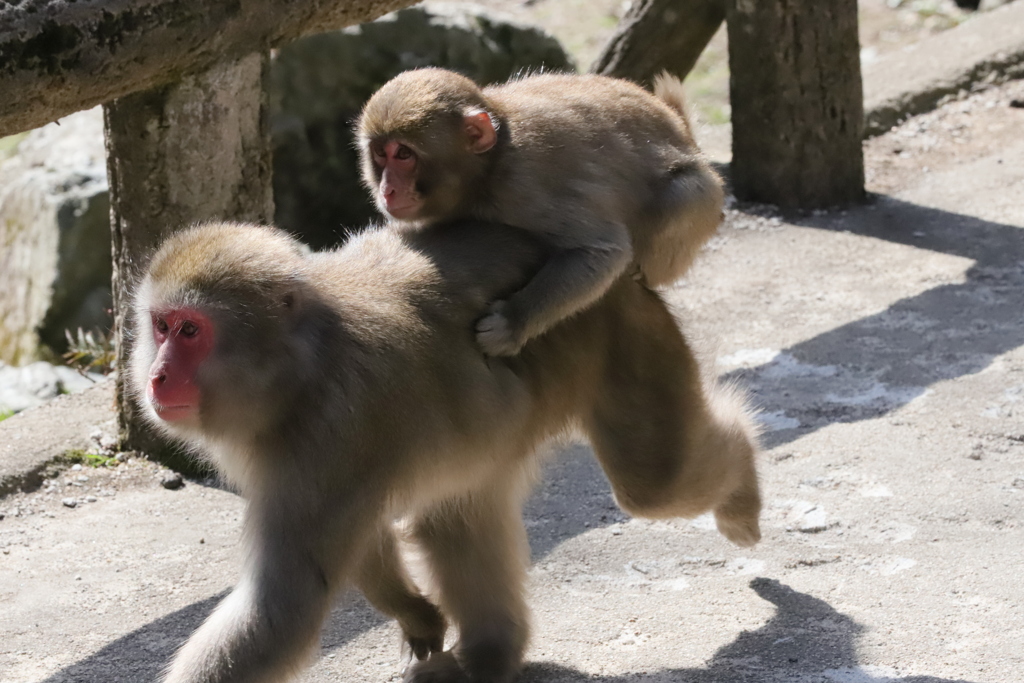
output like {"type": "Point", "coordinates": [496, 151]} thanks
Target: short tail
{"type": "Point", "coordinates": [669, 90]}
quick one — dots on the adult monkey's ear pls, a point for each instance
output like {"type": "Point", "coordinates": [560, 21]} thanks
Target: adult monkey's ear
{"type": "Point", "coordinates": [480, 130]}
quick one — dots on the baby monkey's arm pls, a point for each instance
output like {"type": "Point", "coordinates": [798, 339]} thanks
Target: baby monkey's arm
{"type": "Point", "coordinates": [573, 278]}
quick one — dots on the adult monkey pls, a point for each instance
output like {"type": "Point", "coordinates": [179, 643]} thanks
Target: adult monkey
{"type": "Point", "coordinates": [341, 390]}
{"type": "Point", "coordinates": [605, 172]}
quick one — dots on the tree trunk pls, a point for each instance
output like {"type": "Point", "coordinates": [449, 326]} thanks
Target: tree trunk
{"type": "Point", "coordinates": [656, 35]}
{"type": "Point", "coordinates": [61, 56]}
{"type": "Point", "coordinates": [197, 150]}
{"type": "Point", "coordinates": [797, 105]}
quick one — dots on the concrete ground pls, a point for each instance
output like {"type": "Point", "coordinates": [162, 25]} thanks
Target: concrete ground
{"type": "Point", "coordinates": [885, 348]}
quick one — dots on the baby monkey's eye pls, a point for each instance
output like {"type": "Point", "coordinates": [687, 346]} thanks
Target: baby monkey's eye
{"type": "Point", "coordinates": [403, 152]}
{"type": "Point", "coordinates": [377, 150]}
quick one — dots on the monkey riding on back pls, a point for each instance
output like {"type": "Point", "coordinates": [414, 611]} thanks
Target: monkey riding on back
{"type": "Point", "coordinates": [606, 173]}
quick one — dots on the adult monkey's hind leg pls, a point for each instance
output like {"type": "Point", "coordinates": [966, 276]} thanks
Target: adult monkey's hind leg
{"type": "Point", "coordinates": [476, 549]}
{"type": "Point", "coordinates": [385, 582]}
{"type": "Point", "coordinates": [672, 445]}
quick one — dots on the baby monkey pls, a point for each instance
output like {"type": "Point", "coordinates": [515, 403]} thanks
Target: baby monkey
{"type": "Point", "coordinates": [602, 170]}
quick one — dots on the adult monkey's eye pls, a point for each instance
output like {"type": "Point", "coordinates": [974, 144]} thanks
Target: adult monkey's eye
{"type": "Point", "coordinates": [161, 326]}
{"type": "Point", "coordinates": [188, 329]}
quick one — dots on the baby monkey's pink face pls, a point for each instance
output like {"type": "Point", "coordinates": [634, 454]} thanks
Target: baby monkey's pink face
{"type": "Point", "coordinates": [420, 177]}
{"type": "Point", "coordinates": [397, 193]}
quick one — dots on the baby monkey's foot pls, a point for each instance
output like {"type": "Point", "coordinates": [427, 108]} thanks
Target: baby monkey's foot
{"type": "Point", "coordinates": [494, 332]}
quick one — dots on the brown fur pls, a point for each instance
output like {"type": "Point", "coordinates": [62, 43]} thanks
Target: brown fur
{"type": "Point", "coordinates": [604, 171]}
{"type": "Point", "coordinates": [346, 390]}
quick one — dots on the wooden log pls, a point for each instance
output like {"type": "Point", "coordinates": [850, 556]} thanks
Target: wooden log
{"type": "Point", "coordinates": [193, 151]}
{"type": "Point", "coordinates": [58, 57]}
{"type": "Point", "coordinates": [658, 35]}
{"type": "Point", "coordinates": [797, 105]}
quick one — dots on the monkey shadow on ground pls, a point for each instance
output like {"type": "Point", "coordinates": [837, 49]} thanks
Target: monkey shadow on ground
{"type": "Point", "coordinates": [142, 654]}
{"type": "Point", "coordinates": [875, 365]}
{"type": "Point", "coordinates": [573, 497]}
{"type": "Point", "coordinates": [806, 641]}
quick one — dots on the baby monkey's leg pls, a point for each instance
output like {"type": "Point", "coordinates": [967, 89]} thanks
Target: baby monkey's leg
{"type": "Point", "coordinates": [687, 212]}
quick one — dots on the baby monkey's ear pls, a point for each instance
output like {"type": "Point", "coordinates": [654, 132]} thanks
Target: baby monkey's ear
{"type": "Point", "coordinates": [480, 130]}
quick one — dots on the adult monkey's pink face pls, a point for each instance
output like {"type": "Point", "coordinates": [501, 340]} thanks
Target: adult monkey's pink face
{"type": "Point", "coordinates": [404, 183]}
{"type": "Point", "coordinates": [183, 338]}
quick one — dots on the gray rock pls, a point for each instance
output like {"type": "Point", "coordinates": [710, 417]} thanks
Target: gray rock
{"type": "Point", "coordinates": [319, 84]}
{"type": "Point", "coordinates": [807, 518]}
{"type": "Point", "coordinates": [55, 263]}
{"type": "Point", "coordinates": [172, 481]}
{"type": "Point", "coordinates": [36, 383]}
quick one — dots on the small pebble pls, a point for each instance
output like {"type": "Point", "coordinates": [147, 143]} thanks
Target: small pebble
{"type": "Point", "coordinates": [69, 502]}
{"type": "Point", "coordinates": [76, 468]}
{"type": "Point", "coordinates": [1017, 104]}
{"type": "Point", "coordinates": [90, 499]}
{"type": "Point", "coordinates": [171, 481]}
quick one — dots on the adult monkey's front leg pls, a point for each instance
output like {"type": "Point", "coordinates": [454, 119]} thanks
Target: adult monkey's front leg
{"type": "Point", "coordinates": [267, 627]}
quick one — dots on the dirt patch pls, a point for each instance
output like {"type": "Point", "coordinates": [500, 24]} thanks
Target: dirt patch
{"type": "Point", "coordinates": [959, 133]}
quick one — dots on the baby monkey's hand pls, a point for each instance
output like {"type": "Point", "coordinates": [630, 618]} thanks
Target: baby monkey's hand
{"type": "Point", "coordinates": [495, 333]}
